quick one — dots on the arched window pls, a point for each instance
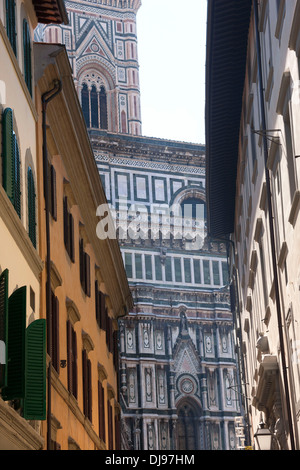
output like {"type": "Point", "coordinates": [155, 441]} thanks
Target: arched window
{"type": "Point", "coordinates": [187, 432]}
{"type": "Point", "coordinates": [85, 104]}
{"type": "Point", "coordinates": [11, 161]}
{"type": "Point", "coordinates": [27, 55]}
{"type": "Point", "coordinates": [94, 108]}
{"type": "Point", "coordinates": [31, 207]}
{"type": "Point", "coordinates": [11, 24]}
{"type": "Point", "coordinates": [103, 108]}
{"type": "Point", "coordinates": [193, 207]}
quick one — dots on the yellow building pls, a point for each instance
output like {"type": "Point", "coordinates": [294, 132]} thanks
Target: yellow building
{"type": "Point", "coordinates": [63, 330]}
{"type": "Point", "coordinates": [89, 288]}
{"type": "Point", "coordinates": [22, 333]}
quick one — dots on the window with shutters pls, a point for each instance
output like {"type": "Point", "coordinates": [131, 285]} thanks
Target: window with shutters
{"type": "Point", "coordinates": [109, 334]}
{"type": "Point", "coordinates": [35, 371]}
{"type": "Point", "coordinates": [11, 23]}
{"type": "Point", "coordinates": [117, 432]}
{"type": "Point", "coordinates": [11, 172]}
{"type": "Point", "coordinates": [110, 426]}
{"type": "Point", "coordinates": [101, 411]}
{"type": "Point", "coordinates": [52, 189]}
{"type": "Point", "coordinates": [72, 359]}
{"type": "Point", "coordinates": [23, 371]}
{"type": "Point", "coordinates": [27, 56]}
{"type": "Point", "coordinates": [55, 332]}
{"type": "Point", "coordinates": [31, 196]}
{"type": "Point", "coordinates": [85, 271]}
{"type": "Point", "coordinates": [100, 307]}
{"type": "Point", "coordinates": [68, 230]}
{"type": "Point", "coordinates": [3, 326]}
{"type": "Point", "coordinates": [87, 385]}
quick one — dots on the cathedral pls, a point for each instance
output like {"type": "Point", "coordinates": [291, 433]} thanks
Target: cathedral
{"type": "Point", "coordinates": [178, 376]}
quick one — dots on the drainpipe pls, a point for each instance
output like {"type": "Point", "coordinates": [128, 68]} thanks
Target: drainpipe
{"type": "Point", "coordinates": [272, 231]}
{"type": "Point", "coordinates": [46, 98]}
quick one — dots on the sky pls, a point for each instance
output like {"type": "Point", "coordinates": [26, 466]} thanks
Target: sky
{"type": "Point", "coordinates": [171, 50]}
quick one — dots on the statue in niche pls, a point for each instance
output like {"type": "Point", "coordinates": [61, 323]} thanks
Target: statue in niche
{"type": "Point", "coordinates": [183, 323]}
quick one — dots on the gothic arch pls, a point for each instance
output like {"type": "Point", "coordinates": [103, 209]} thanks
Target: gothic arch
{"type": "Point", "coordinates": [96, 87]}
{"type": "Point", "coordinates": [188, 429]}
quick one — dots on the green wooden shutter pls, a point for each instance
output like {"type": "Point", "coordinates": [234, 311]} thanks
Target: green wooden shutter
{"type": "Point", "coordinates": [31, 207]}
{"type": "Point", "coordinates": [16, 345]}
{"type": "Point", "coordinates": [27, 56]}
{"type": "Point", "coordinates": [11, 24]}
{"type": "Point", "coordinates": [3, 326]}
{"type": "Point", "coordinates": [35, 371]}
{"type": "Point", "coordinates": [17, 177]}
{"type": "Point", "coordinates": [8, 160]}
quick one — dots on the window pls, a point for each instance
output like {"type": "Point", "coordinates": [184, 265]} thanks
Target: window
{"type": "Point", "coordinates": [72, 359]}
{"type": "Point", "coordinates": [128, 264]}
{"type": "Point", "coordinates": [85, 104]}
{"type": "Point", "coordinates": [87, 385]}
{"type": "Point", "coordinates": [193, 208]}
{"type": "Point", "coordinates": [158, 268]}
{"type": "Point", "coordinates": [31, 207]}
{"type": "Point", "coordinates": [187, 270]}
{"type": "Point", "coordinates": [11, 161]}
{"type": "Point", "coordinates": [206, 272]}
{"type": "Point", "coordinates": [23, 376]}
{"type": "Point", "coordinates": [54, 353]}
{"type": "Point", "coordinates": [101, 411]}
{"type": "Point", "coordinates": [11, 24]}
{"type": "Point", "coordinates": [197, 273]}
{"type": "Point", "coordinates": [168, 269]}
{"type": "Point", "coordinates": [101, 310]}
{"type": "Point", "coordinates": [290, 154]}
{"type": "Point", "coordinates": [138, 267]}
{"type": "Point", "coordinates": [94, 106]}
{"type": "Point", "coordinates": [148, 266]}
{"type": "Point", "coordinates": [27, 56]}
{"type": "Point", "coordinates": [177, 267]}
{"type": "Point", "coordinates": [85, 274]}
{"type": "Point", "coordinates": [110, 426]}
{"type": "Point", "coordinates": [52, 198]}
{"type": "Point", "coordinates": [216, 273]}
{"type": "Point", "coordinates": [68, 230]}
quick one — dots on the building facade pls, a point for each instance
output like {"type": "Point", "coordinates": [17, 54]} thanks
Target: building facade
{"type": "Point", "coordinates": [84, 288]}
{"type": "Point", "coordinates": [178, 373]}
{"type": "Point", "coordinates": [259, 214]}
{"type": "Point", "coordinates": [101, 42]}
{"type": "Point", "coordinates": [178, 376]}
{"type": "Point", "coordinates": [61, 288]}
{"type": "Point", "coordinates": [22, 331]}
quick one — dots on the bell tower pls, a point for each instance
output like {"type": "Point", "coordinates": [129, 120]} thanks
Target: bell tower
{"type": "Point", "coordinates": [101, 43]}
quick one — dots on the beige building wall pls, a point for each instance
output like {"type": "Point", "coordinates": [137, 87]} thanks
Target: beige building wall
{"type": "Point", "coordinates": [262, 349]}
